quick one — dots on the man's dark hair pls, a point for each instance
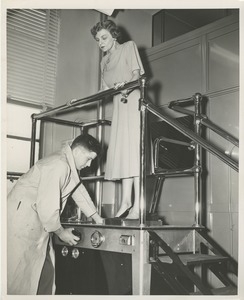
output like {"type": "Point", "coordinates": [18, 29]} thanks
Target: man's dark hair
{"type": "Point", "coordinates": [88, 142]}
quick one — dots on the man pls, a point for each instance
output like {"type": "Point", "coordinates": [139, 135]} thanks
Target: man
{"type": "Point", "coordinates": [34, 207]}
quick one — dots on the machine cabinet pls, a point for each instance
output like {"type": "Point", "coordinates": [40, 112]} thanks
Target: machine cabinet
{"type": "Point", "coordinates": [83, 275]}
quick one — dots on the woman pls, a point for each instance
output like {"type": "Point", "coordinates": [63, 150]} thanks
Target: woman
{"type": "Point", "coordinates": [121, 64]}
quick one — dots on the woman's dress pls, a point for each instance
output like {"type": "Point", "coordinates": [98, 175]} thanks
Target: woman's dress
{"type": "Point", "coordinates": [123, 152]}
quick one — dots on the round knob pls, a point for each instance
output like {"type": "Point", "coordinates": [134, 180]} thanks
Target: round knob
{"type": "Point", "coordinates": [96, 239]}
{"type": "Point", "coordinates": [76, 233]}
{"type": "Point", "coordinates": [75, 253]}
{"type": "Point", "coordinates": [64, 251]}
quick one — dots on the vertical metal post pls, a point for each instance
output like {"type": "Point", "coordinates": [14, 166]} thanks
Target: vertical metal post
{"type": "Point", "coordinates": [98, 184]}
{"type": "Point", "coordinates": [157, 189]}
{"type": "Point", "coordinates": [41, 138]}
{"type": "Point", "coordinates": [33, 141]}
{"type": "Point", "coordinates": [197, 175]}
{"type": "Point", "coordinates": [144, 267]}
{"type": "Point", "coordinates": [82, 131]}
{"type": "Point", "coordinates": [142, 177]}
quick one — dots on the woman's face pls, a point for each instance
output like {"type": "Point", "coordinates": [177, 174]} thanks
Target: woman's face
{"type": "Point", "coordinates": [105, 40]}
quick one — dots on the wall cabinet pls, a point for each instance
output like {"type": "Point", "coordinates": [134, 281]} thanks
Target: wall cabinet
{"type": "Point", "coordinates": [205, 60]}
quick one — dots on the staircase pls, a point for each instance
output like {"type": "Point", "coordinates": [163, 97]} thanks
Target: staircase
{"type": "Point", "coordinates": [184, 259]}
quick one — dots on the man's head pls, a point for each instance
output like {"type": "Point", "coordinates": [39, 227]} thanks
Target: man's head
{"type": "Point", "coordinates": [85, 148]}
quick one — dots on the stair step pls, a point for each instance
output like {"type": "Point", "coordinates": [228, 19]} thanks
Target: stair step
{"type": "Point", "coordinates": [226, 290]}
{"type": "Point", "coordinates": [194, 259]}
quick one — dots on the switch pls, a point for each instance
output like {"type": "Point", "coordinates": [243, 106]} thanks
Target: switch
{"type": "Point", "coordinates": [125, 240]}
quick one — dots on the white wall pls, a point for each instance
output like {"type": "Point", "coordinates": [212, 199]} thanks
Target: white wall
{"type": "Point", "coordinates": [137, 23]}
{"type": "Point", "coordinates": [78, 63]}
{"type": "Point", "coordinates": [78, 70]}
{"type": "Point", "coordinates": [205, 61]}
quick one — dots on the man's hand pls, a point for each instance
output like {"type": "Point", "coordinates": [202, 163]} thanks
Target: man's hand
{"type": "Point", "coordinates": [66, 235]}
{"type": "Point", "coordinates": [97, 218]}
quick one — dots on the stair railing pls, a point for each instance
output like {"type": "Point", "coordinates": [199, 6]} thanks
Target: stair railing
{"type": "Point", "coordinates": [195, 136]}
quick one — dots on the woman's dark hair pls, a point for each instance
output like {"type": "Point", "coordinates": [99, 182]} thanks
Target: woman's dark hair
{"type": "Point", "coordinates": [108, 25]}
{"type": "Point", "coordinates": [88, 142]}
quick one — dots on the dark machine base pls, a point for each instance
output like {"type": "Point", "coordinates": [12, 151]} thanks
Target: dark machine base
{"type": "Point", "coordinates": [92, 273]}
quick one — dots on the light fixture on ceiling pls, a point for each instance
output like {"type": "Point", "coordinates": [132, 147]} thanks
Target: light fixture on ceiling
{"type": "Point", "coordinates": [107, 12]}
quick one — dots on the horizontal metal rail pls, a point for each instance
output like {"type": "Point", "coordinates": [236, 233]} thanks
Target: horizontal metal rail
{"type": "Point", "coordinates": [87, 100]}
{"type": "Point", "coordinates": [13, 175]}
{"type": "Point", "coordinates": [186, 101]}
{"type": "Point", "coordinates": [164, 139]}
{"type": "Point", "coordinates": [175, 105]}
{"type": "Point", "coordinates": [175, 172]}
{"type": "Point", "coordinates": [206, 122]}
{"type": "Point", "coordinates": [90, 178]}
{"type": "Point", "coordinates": [209, 124]}
{"type": "Point", "coordinates": [21, 138]}
{"type": "Point", "coordinates": [182, 110]}
{"type": "Point", "coordinates": [78, 124]}
{"type": "Point", "coordinates": [16, 175]}
{"type": "Point", "coordinates": [189, 133]}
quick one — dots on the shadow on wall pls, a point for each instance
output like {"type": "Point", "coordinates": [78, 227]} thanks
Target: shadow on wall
{"type": "Point", "coordinates": [154, 87]}
{"type": "Point", "coordinates": [125, 36]}
{"type": "Point", "coordinates": [154, 90]}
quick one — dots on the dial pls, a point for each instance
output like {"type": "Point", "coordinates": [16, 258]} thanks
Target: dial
{"type": "Point", "coordinates": [75, 253]}
{"type": "Point", "coordinates": [97, 239]}
{"type": "Point", "coordinates": [64, 251]}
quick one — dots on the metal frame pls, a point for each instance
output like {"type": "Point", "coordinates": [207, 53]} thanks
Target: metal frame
{"type": "Point", "coordinates": [146, 107]}
{"type": "Point", "coordinates": [53, 115]}
{"type": "Point", "coordinates": [140, 231]}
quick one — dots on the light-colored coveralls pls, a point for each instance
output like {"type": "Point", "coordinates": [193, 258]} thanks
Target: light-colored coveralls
{"type": "Point", "coordinates": [34, 207]}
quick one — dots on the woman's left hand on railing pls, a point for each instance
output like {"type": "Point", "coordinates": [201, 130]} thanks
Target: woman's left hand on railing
{"type": "Point", "coordinates": [118, 85]}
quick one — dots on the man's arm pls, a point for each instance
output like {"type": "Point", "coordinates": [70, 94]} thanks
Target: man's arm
{"type": "Point", "coordinates": [52, 177]}
{"type": "Point", "coordinates": [97, 218]}
{"type": "Point", "coordinates": [83, 200]}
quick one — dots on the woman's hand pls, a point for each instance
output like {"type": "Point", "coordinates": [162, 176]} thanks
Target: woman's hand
{"type": "Point", "coordinates": [135, 75]}
{"type": "Point", "coordinates": [118, 85]}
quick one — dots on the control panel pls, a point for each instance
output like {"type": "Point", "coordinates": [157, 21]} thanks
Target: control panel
{"type": "Point", "coordinates": [101, 238]}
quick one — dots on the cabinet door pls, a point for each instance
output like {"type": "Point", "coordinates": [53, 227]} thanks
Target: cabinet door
{"type": "Point", "coordinates": [83, 275]}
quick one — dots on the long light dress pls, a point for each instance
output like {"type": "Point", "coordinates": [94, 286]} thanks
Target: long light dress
{"type": "Point", "coordinates": [123, 151]}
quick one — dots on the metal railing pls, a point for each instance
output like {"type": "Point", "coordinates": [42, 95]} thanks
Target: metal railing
{"type": "Point", "coordinates": [145, 107]}
{"type": "Point", "coordinates": [55, 115]}
{"type": "Point", "coordinates": [198, 141]}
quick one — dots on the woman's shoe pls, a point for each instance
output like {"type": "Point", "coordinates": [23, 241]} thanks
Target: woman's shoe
{"type": "Point", "coordinates": [125, 213]}
{"type": "Point", "coordinates": [132, 215]}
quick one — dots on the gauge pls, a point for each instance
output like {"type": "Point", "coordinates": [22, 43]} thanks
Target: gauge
{"type": "Point", "coordinates": [75, 253]}
{"type": "Point", "coordinates": [64, 251]}
{"type": "Point", "coordinates": [97, 239]}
